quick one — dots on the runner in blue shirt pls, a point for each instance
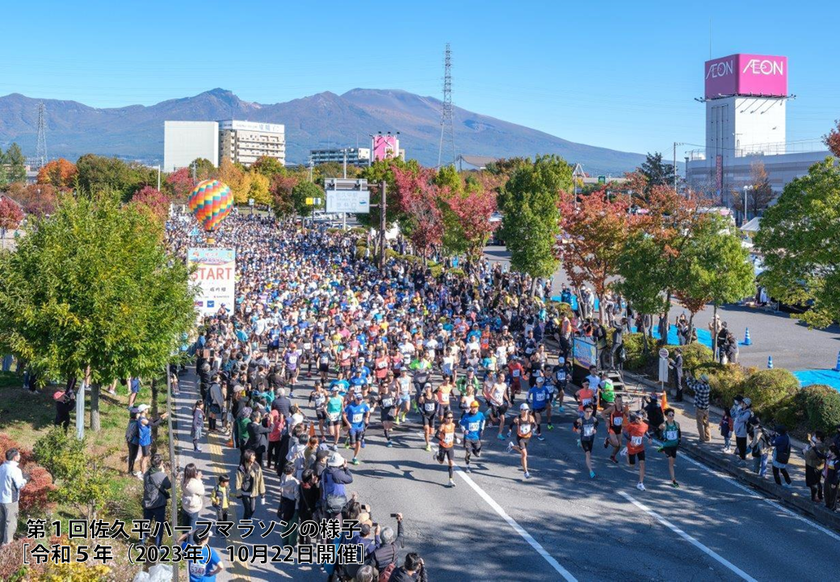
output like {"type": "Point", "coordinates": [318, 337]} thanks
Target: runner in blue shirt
{"type": "Point", "coordinates": [538, 398]}
{"type": "Point", "coordinates": [472, 424]}
{"type": "Point", "coordinates": [209, 564]}
{"type": "Point", "coordinates": [356, 417]}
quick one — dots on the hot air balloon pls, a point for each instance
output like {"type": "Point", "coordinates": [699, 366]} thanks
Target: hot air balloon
{"type": "Point", "coordinates": [210, 201]}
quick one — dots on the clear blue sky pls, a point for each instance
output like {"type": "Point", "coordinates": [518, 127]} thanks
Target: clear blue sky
{"type": "Point", "coordinates": [617, 74]}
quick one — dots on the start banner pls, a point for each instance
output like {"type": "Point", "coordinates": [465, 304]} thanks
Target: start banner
{"type": "Point", "coordinates": [215, 272]}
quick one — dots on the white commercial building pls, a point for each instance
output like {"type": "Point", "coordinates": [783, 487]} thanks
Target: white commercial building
{"type": "Point", "coordinates": [185, 141]}
{"type": "Point", "coordinates": [746, 116]}
{"type": "Point", "coordinates": [354, 156]}
{"type": "Point", "coordinates": [245, 142]}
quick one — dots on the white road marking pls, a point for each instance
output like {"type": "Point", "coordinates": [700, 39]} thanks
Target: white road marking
{"type": "Point", "coordinates": [517, 528]}
{"type": "Point", "coordinates": [774, 504]}
{"type": "Point", "coordinates": [708, 551]}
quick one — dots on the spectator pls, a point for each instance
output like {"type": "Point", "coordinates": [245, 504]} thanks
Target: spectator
{"type": "Point", "coordinates": [832, 476]}
{"type": "Point", "coordinates": [741, 413]}
{"type": "Point", "coordinates": [192, 495]}
{"type": "Point", "coordinates": [197, 424]}
{"type": "Point", "coordinates": [144, 437]}
{"type": "Point", "coordinates": [333, 480]}
{"type": "Point", "coordinates": [64, 402]}
{"type": "Point", "coordinates": [11, 482]}
{"type": "Point", "coordinates": [249, 483]}
{"type": "Point", "coordinates": [815, 453]}
{"type": "Point", "coordinates": [156, 493]}
{"type": "Point", "coordinates": [759, 447]}
{"type": "Point", "coordinates": [781, 456]}
{"type": "Point", "coordinates": [282, 403]}
{"type": "Point", "coordinates": [677, 367]}
{"type": "Point", "coordinates": [289, 491]}
{"type": "Point", "coordinates": [134, 389]}
{"type": "Point", "coordinates": [258, 432]}
{"type": "Point", "coordinates": [366, 573]}
{"type": "Point", "coordinates": [412, 570]}
{"type": "Point", "coordinates": [701, 390]}
{"type": "Point", "coordinates": [386, 552]}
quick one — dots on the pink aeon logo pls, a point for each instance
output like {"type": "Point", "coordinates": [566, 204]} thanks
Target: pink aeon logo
{"type": "Point", "coordinates": [764, 67]}
{"type": "Point", "coordinates": [720, 69]}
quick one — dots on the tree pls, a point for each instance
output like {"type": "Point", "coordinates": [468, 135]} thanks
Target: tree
{"type": "Point", "coordinates": [16, 164]}
{"type": "Point", "coordinates": [800, 246]}
{"type": "Point", "coordinates": [60, 174]}
{"type": "Point", "coordinates": [153, 201]}
{"type": "Point", "coordinates": [594, 232]}
{"type": "Point", "coordinates": [472, 211]}
{"type": "Point", "coordinates": [656, 172]}
{"type": "Point", "coordinates": [237, 179]}
{"type": "Point", "coordinates": [375, 174]}
{"type": "Point", "coordinates": [259, 190]}
{"type": "Point", "coordinates": [528, 203]}
{"type": "Point", "coordinates": [506, 166]}
{"type": "Point", "coordinates": [280, 189]}
{"type": "Point", "coordinates": [10, 214]}
{"type": "Point", "coordinates": [303, 190]}
{"type": "Point", "coordinates": [204, 169]}
{"type": "Point", "coordinates": [759, 194]}
{"type": "Point", "coordinates": [179, 184]}
{"type": "Point", "coordinates": [419, 199]}
{"type": "Point", "coordinates": [98, 174]}
{"type": "Point", "coordinates": [268, 167]}
{"type": "Point", "coordinates": [832, 139]}
{"type": "Point", "coordinates": [714, 268]}
{"type": "Point", "coordinates": [92, 287]}
{"type": "Point", "coordinates": [36, 199]}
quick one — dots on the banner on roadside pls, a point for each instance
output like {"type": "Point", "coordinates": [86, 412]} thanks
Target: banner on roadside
{"type": "Point", "coordinates": [215, 272]}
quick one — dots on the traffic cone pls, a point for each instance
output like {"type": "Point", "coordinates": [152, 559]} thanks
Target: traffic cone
{"type": "Point", "coordinates": [769, 362]}
{"type": "Point", "coordinates": [747, 340]}
{"type": "Point", "coordinates": [837, 366]}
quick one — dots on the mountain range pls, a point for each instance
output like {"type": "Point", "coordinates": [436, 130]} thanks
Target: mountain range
{"type": "Point", "coordinates": [323, 120]}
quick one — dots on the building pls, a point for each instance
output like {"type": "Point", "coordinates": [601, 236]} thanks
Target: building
{"type": "Point", "coordinates": [355, 156]}
{"type": "Point", "coordinates": [386, 146]}
{"type": "Point", "coordinates": [746, 114]}
{"type": "Point", "coordinates": [185, 141]}
{"type": "Point", "coordinates": [245, 142]}
{"type": "Point", "coordinates": [474, 162]}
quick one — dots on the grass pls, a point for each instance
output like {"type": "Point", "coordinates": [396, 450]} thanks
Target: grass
{"type": "Point", "coordinates": [25, 417]}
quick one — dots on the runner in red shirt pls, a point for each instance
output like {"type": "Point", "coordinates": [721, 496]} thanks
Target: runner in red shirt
{"type": "Point", "coordinates": [634, 435]}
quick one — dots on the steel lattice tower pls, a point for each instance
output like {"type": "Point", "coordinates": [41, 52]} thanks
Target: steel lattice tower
{"type": "Point", "coordinates": [41, 152]}
{"type": "Point", "coordinates": [446, 115]}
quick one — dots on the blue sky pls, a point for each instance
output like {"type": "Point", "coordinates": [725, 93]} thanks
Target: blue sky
{"type": "Point", "coordinates": [616, 74]}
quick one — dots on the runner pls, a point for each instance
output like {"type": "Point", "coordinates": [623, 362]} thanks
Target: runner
{"type": "Point", "coordinates": [524, 424]}
{"type": "Point", "coordinates": [403, 383]}
{"type": "Point", "coordinates": [673, 435]}
{"type": "Point", "coordinates": [587, 427]}
{"type": "Point", "coordinates": [318, 398]}
{"type": "Point", "coordinates": [584, 396]}
{"type": "Point", "coordinates": [561, 373]}
{"type": "Point", "coordinates": [291, 361]}
{"type": "Point", "coordinates": [539, 397]}
{"type": "Point", "coordinates": [428, 409]}
{"type": "Point", "coordinates": [443, 394]}
{"type": "Point", "coordinates": [446, 441]}
{"type": "Point", "coordinates": [498, 400]}
{"type": "Point", "coordinates": [615, 415]}
{"type": "Point", "coordinates": [387, 411]}
{"type": "Point", "coordinates": [635, 434]}
{"type": "Point", "coordinates": [472, 424]}
{"type": "Point", "coordinates": [356, 418]}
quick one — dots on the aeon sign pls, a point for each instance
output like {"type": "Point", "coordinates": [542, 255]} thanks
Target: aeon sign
{"type": "Point", "coordinates": [744, 74]}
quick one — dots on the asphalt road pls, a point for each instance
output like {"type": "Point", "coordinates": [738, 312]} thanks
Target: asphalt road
{"type": "Point", "coordinates": [560, 524]}
{"type": "Point", "coordinates": [790, 343]}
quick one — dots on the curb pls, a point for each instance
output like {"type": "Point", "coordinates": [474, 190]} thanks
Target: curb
{"type": "Point", "coordinates": [817, 512]}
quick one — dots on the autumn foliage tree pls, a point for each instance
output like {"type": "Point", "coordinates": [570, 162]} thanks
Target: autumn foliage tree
{"type": "Point", "coordinates": [60, 174]}
{"type": "Point", "coordinates": [10, 214]}
{"type": "Point", "coordinates": [832, 139]}
{"type": "Point", "coordinates": [472, 210]}
{"type": "Point", "coordinates": [280, 190]}
{"type": "Point", "coordinates": [36, 199]}
{"type": "Point", "coordinates": [594, 230]}
{"type": "Point", "coordinates": [419, 197]}
{"type": "Point", "coordinates": [153, 201]}
{"type": "Point", "coordinates": [179, 184]}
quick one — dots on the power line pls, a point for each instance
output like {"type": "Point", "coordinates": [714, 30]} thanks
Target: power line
{"type": "Point", "coordinates": [446, 112]}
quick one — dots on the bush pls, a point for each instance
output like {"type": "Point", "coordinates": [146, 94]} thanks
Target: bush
{"type": "Point", "coordinates": [637, 360]}
{"type": "Point", "coordinates": [694, 355]}
{"type": "Point", "coordinates": [35, 498]}
{"type": "Point", "coordinates": [724, 381]}
{"type": "Point", "coordinates": [769, 390]}
{"type": "Point", "coordinates": [821, 406]}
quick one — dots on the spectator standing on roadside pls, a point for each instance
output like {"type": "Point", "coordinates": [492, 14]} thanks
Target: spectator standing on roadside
{"type": "Point", "coordinates": [156, 493]}
{"type": "Point", "coordinates": [11, 482]}
{"type": "Point", "coordinates": [781, 456]}
{"type": "Point", "coordinates": [759, 447]}
{"type": "Point", "coordinates": [677, 367]}
{"type": "Point", "coordinates": [741, 413]}
{"type": "Point", "coordinates": [386, 552]}
{"type": "Point", "coordinates": [64, 403]}
{"type": "Point", "coordinates": [412, 570]}
{"type": "Point", "coordinates": [249, 483]}
{"type": "Point", "coordinates": [814, 464]}
{"type": "Point", "coordinates": [192, 494]}
{"type": "Point", "coordinates": [832, 476]}
{"type": "Point", "coordinates": [702, 391]}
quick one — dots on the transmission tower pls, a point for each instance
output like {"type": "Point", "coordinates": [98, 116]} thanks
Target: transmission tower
{"type": "Point", "coordinates": [447, 125]}
{"type": "Point", "coordinates": [41, 152]}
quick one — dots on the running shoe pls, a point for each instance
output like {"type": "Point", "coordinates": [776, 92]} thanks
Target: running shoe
{"type": "Point", "coordinates": [397, 421]}
{"type": "Point", "coordinates": [452, 482]}
{"type": "Point", "coordinates": [527, 475]}
{"type": "Point", "coordinates": [561, 409]}
{"type": "Point", "coordinates": [355, 461]}
{"type": "Point", "coordinates": [428, 447]}
{"type": "Point", "coordinates": [640, 486]}
{"type": "Point", "coordinates": [540, 437]}
{"type": "Point", "coordinates": [510, 447]}
{"type": "Point", "coordinates": [606, 443]}
{"type": "Point", "coordinates": [675, 485]}
{"type": "Point", "coordinates": [613, 459]}
{"type": "Point", "coordinates": [550, 426]}
{"type": "Point", "coordinates": [591, 474]}
{"type": "Point", "coordinates": [578, 443]}
{"type": "Point", "coordinates": [363, 443]}
{"type": "Point", "coordinates": [500, 436]}
{"type": "Point", "coordinates": [389, 444]}
{"type": "Point", "coordinates": [467, 469]}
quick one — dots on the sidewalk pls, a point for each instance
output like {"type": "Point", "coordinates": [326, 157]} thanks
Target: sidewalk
{"type": "Point", "coordinates": [712, 455]}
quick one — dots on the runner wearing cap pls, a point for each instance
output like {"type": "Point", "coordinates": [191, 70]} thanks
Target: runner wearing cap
{"type": "Point", "coordinates": [356, 417]}
{"type": "Point", "coordinates": [446, 441]}
{"type": "Point", "coordinates": [615, 415]}
{"type": "Point", "coordinates": [635, 434]}
{"type": "Point", "coordinates": [428, 410]}
{"type": "Point", "coordinates": [539, 397]}
{"type": "Point", "coordinates": [561, 374]}
{"type": "Point", "coordinates": [524, 424]}
{"type": "Point", "coordinates": [472, 423]}
{"type": "Point", "coordinates": [587, 426]}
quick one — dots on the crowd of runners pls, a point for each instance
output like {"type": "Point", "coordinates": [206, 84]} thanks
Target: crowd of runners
{"type": "Point", "coordinates": [448, 357]}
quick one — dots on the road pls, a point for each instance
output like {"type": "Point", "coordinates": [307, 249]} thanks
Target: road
{"type": "Point", "coordinates": [495, 525]}
{"type": "Point", "coordinates": [790, 343]}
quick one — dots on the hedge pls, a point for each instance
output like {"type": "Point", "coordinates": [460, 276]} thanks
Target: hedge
{"type": "Point", "coordinates": [821, 405]}
{"type": "Point", "coordinates": [769, 390]}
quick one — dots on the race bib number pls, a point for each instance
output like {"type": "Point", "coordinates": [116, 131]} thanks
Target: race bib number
{"type": "Point", "coordinates": [515, 374]}
{"type": "Point", "coordinates": [636, 441]}
{"type": "Point", "coordinates": [333, 416]}
{"type": "Point", "coordinates": [586, 401]}
{"type": "Point", "coordinates": [473, 426]}
{"type": "Point", "coordinates": [540, 397]}
{"type": "Point", "coordinates": [387, 402]}
{"type": "Point", "coordinates": [381, 365]}
{"type": "Point", "coordinates": [561, 376]}
{"type": "Point", "coordinates": [357, 418]}
{"type": "Point", "coordinates": [618, 420]}
{"type": "Point", "coordinates": [448, 438]}
{"type": "Point", "coordinates": [319, 400]}
{"type": "Point", "coordinates": [525, 429]}
{"type": "Point", "coordinates": [292, 360]}
{"type": "Point", "coordinates": [198, 570]}
{"type": "Point", "coordinates": [588, 430]}
{"type": "Point", "coordinates": [429, 406]}
{"type": "Point", "coordinates": [671, 435]}
{"type": "Point", "coordinates": [444, 398]}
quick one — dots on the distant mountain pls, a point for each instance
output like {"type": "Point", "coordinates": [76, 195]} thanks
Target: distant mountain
{"type": "Point", "coordinates": [322, 120]}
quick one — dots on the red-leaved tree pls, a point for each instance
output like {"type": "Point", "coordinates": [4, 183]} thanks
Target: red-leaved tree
{"type": "Point", "coordinates": [473, 210]}
{"type": "Point", "coordinates": [832, 139]}
{"type": "Point", "coordinates": [594, 231]}
{"type": "Point", "coordinates": [280, 190]}
{"type": "Point", "coordinates": [36, 199]}
{"type": "Point", "coordinates": [10, 213]}
{"type": "Point", "coordinates": [60, 174]}
{"type": "Point", "coordinates": [153, 200]}
{"type": "Point", "coordinates": [180, 184]}
{"type": "Point", "coordinates": [419, 198]}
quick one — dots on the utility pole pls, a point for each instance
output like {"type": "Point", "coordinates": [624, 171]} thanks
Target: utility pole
{"type": "Point", "coordinates": [676, 143]}
{"type": "Point", "coordinates": [446, 121]}
{"type": "Point", "coordinates": [383, 208]}
{"type": "Point", "coordinates": [345, 162]}
{"type": "Point", "coordinates": [41, 151]}
{"type": "Point", "coordinates": [158, 169]}
{"type": "Point", "coordinates": [173, 475]}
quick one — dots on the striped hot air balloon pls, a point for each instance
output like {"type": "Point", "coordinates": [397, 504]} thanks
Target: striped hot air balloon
{"type": "Point", "coordinates": [210, 201]}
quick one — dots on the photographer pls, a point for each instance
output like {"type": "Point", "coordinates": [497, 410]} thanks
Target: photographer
{"type": "Point", "coordinates": [388, 546]}
{"type": "Point", "coordinates": [413, 570]}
